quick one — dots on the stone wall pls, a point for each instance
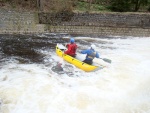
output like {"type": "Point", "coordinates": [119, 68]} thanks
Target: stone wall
{"type": "Point", "coordinates": [98, 20]}
{"type": "Point", "coordinates": [101, 31]}
{"type": "Point", "coordinates": [115, 24]}
{"type": "Point", "coordinates": [118, 24]}
{"type": "Point", "coordinates": [19, 22]}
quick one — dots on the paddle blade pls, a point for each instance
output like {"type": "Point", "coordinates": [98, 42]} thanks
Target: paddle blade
{"type": "Point", "coordinates": [106, 60]}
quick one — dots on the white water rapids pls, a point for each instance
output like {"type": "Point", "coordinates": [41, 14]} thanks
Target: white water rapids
{"type": "Point", "coordinates": [122, 87]}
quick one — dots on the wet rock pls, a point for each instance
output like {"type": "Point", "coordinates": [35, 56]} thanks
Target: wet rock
{"type": "Point", "coordinates": [57, 68]}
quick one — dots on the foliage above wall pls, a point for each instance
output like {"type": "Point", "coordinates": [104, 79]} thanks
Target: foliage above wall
{"type": "Point", "coordinates": [78, 5]}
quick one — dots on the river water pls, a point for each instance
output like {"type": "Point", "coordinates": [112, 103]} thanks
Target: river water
{"type": "Point", "coordinates": [28, 85]}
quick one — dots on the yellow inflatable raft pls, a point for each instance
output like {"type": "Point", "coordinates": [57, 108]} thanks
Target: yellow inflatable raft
{"type": "Point", "coordinates": [76, 61]}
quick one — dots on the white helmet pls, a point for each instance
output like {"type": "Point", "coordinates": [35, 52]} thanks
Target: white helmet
{"type": "Point", "coordinates": [93, 46]}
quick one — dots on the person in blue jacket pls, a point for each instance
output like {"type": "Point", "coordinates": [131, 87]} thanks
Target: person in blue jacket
{"type": "Point", "coordinates": [91, 54]}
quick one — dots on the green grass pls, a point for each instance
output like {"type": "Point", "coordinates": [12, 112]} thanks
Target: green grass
{"type": "Point", "coordinates": [83, 6]}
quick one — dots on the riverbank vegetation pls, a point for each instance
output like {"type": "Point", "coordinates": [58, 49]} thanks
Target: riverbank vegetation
{"type": "Point", "coordinates": [78, 5]}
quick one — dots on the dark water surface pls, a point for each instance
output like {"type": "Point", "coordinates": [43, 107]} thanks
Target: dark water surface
{"type": "Point", "coordinates": [24, 47]}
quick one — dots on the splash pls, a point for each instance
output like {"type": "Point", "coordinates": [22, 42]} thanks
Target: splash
{"type": "Point", "coordinates": [122, 87]}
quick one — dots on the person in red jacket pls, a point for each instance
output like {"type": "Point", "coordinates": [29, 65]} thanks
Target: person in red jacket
{"type": "Point", "coordinates": [72, 47]}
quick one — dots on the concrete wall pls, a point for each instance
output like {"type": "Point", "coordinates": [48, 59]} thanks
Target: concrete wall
{"type": "Point", "coordinates": [97, 24]}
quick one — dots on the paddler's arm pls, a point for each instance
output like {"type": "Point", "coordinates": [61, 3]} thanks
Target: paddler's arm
{"type": "Point", "coordinates": [84, 51]}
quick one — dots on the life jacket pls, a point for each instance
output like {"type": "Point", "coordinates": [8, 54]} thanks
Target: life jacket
{"type": "Point", "coordinates": [91, 56]}
{"type": "Point", "coordinates": [71, 49]}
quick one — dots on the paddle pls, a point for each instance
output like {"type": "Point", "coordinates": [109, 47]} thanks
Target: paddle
{"type": "Point", "coordinates": [106, 60]}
